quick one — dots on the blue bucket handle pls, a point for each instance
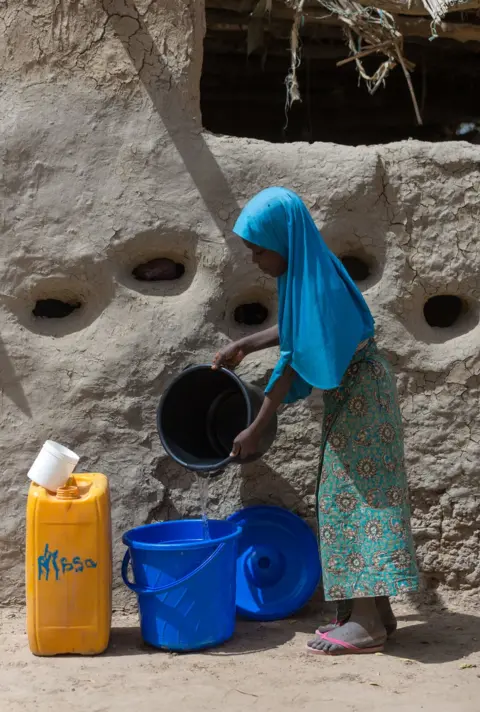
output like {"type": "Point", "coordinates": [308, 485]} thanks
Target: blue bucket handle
{"type": "Point", "coordinates": [162, 589]}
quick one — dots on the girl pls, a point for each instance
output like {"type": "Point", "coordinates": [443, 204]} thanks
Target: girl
{"type": "Point", "coordinates": [326, 336]}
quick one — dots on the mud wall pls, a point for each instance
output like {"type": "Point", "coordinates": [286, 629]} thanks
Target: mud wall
{"type": "Point", "coordinates": [104, 166]}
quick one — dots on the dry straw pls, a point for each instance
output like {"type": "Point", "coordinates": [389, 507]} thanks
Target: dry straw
{"type": "Point", "coordinates": [368, 31]}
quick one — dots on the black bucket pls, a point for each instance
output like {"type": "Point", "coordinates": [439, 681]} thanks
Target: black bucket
{"type": "Point", "coordinates": [201, 413]}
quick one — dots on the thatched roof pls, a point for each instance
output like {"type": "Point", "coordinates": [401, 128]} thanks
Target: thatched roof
{"type": "Point", "coordinates": [371, 28]}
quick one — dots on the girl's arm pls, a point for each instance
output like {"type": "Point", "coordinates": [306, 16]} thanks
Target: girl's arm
{"type": "Point", "coordinates": [262, 340]}
{"type": "Point", "coordinates": [233, 354]}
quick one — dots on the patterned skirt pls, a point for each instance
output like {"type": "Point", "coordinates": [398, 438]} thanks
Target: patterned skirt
{"type": "Point", "coordinates": [363, 513]}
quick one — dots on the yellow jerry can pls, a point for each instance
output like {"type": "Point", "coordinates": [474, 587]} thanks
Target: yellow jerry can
{"type": "Point", "coordinates": [69, 567]}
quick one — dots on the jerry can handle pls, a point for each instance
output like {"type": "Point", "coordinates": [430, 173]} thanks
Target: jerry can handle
{"type": "Point", "coordinates": [144, 591]}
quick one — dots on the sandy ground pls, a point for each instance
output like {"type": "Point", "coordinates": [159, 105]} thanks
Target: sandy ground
{"type": "Point", "coordinates": [433, 665]}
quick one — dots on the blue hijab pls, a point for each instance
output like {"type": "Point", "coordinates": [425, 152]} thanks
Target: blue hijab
{"type": "Point", "coordinates": [322, 316]}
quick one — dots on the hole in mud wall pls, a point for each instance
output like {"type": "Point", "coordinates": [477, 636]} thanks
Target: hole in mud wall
{"type": "Point", "coordinates": [444, 310]}
{"type": "Point", "coordinates": [356, 267]}
{"type": "Point", "coordinates": [247, 59]}
{"type": "Point", "coordinates": [251, 314]}
{"type": "Point", "coordinates": [160, 269]}
{"type": "Point", "coordinates": [54, 308]}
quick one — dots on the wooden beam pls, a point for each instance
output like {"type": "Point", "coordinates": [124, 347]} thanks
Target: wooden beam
{"type": "Point", "coordinates": [240, 6]}
{"type": "Point", "coordinates": [459, 31]}
{"type": "Point", "coordinates": [277, 27]}
{"type": "Point", "coordinates": [408, 26]}
{"type": "Point", "coordinates": [396, 7]}
{"type": "Point", "coordinates": [320, 51]}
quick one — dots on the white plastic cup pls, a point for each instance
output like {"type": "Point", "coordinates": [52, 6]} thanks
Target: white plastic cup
{"type": "Point", "coordinates": [53, 466]}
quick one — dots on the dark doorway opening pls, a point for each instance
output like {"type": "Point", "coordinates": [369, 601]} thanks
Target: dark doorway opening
{"type": "Point", "coordinates": [245, 96]}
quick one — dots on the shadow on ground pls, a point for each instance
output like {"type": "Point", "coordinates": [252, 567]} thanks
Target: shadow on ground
{"type": "Point", "coordinates": [250, 637]}
{"type": "Point", "coordinates": [434, 637]}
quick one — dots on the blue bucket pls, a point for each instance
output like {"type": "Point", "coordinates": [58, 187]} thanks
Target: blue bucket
{"type": "Point", "coordinates": [185, 584]}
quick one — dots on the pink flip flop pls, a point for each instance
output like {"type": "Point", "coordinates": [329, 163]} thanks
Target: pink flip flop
{"type": "Point", "coordinates": [348, 648]}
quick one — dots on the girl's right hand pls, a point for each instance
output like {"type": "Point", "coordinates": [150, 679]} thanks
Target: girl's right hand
{"type": "Point", "coordinates": [230, 356]}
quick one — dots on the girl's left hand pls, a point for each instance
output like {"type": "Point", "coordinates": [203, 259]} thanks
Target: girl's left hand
{"type": "Point", "coordinates": [245, 444]}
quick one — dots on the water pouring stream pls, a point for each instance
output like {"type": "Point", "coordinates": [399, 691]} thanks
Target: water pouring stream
{"type": "Point", "coordinates": [202, 484]}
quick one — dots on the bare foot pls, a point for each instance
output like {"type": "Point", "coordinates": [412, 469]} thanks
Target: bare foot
{"type": "Point", "coordinates": [364, 631]}
{"type": "Point", "coordinates": [344, 611]}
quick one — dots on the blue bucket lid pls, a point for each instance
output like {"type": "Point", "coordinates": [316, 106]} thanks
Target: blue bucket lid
{"type": "Point", "coordinates": [278, 565]}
